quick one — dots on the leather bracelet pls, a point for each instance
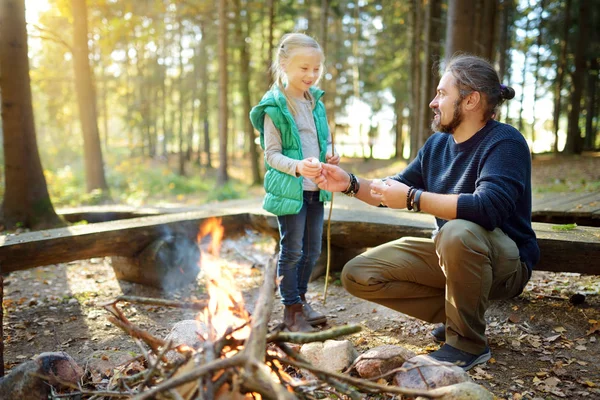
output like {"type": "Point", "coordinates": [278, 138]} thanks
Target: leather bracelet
{"type": "Point", "coordinates": [353, 187]}
{"type": "Point", "coordinates": [416, 203]}
{"type": "Point", "coordinates": [408, 198]}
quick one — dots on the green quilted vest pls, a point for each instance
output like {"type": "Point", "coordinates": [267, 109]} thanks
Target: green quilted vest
{"type": "Point", "coordinates": [284, 191]}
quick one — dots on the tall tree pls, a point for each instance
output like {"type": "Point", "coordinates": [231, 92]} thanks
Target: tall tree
{"type": "Point", "coordinates": [574, 142]}
{"type": "Point", "coordinates": [526, 47]}
{"type": "Point", "coordinates": [240, 31]}
{"type": "Point", "coordinates": [222, 175]}
{"type": "Point", "coordinates": [561, 66]}
{"type": "Point", "coordinates": [416, 14]}
{"type": "Point", "coordinates": [429, 72]}
{"type": "Point", "coordinates": [86, 99]}
{"type": "Point", "coordinates": [459, 28]}
{"type": "Point", "coordinates": [26, 199]}
{"type": "Point", "coordinates": [538, 58]}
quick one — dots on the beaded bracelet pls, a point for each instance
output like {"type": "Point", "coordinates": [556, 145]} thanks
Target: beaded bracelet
{"type": "Point", "coordinates": [409, 206]}
{"type": "Point", "coordinates": [353, 186]}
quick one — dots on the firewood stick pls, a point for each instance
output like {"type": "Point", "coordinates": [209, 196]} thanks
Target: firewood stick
{"type": "Point", "coordinates": [154, 365]}
{"type": "Point", "coordinates": [255, 374]}
{"type": "Point", "coordinates": [256, 345]}
{"type": "Point", "coordinates": [133, 331]}
{"type": "Point", "coordinates": [348, 391]}
{"type": "Point", "coordinates": [309, 337]}
{"type": "Point", "coordinates": [190, 304]}
{"type": "Point", "coordinates": [358, 382]}
{"type": "Point", "coordinates": [196, 373]}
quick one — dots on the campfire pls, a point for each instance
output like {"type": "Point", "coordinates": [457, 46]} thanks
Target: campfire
{"type": "Point", "coordinates": [238, 355]}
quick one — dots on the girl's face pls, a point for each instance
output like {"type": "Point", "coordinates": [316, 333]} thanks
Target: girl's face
{"type": "Point", "coordinates": [302, 70]}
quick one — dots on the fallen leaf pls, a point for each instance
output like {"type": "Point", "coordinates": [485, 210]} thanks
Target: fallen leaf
{"type": "Point", "coordinates": [552, 338]}
{"type": "Point", "coordinates": [551, 381]}
{"type": "Point", "coordinates": [559, 329]}
{"type": "Point", "coordinates": [594, 328]}
{"type": "Point", "coordinates": [514, 318]}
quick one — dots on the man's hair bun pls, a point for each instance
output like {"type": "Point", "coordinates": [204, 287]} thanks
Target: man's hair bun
{"type": "Point", "coordinates": [506, 92]}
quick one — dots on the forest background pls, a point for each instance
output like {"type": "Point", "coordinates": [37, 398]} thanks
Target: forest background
{"type": "Point", "coordinates": [146, 101]}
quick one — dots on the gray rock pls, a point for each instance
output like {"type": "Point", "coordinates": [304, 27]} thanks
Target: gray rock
{"type": "Point", "coordinates": [380, 360]}
{"type": "Point", "coordinates": [331, 355]}
{"type": "Point", "coordinates": [185, 332]}
{"type": "Point", "coordinates": [23, 382]}
{"type": "Point", "coordinates": [461, 391]}
{"type": "Point", "coordinates": [424, 372]}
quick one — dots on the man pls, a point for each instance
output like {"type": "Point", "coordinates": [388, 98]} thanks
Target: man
{"type": "Point", "coordinates": [474, 176]}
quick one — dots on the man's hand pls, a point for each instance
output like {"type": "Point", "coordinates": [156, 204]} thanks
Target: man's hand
{"type": "Point", "coordinates": [309, 168]}
{"type": "Point", "coordinates": [390, 193]}
{"type": "Point", "coordinates": [333, 178]}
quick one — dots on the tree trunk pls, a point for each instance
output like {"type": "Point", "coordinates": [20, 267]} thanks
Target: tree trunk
{"type": "Point", "coordinates": [430, 78]}
{"type": "Point", "coordinates": [591, 100]}
{"type": "Point", "coordinates": [487, 41]}
{"type": "Point", "coordinates": [399, 116]}
{"type": "Point", "coordinates": [269, 58]}
{"type": "Point", "coordinates": [26, 199]}
{"type": "Point", "coordinates": [415, 78]}
{"type": "Point", "coordinates": [203, 114]}
{"type": "Point", "coordinates": [222, 176]}
{"type": "Point", "coordinates": [245, 92]}
{"type": "Point", "coordinates": [459, 28]}
{"type": "Point", "coordinates": [561, 66]}
{"type": "Point", "coordinates": [94, 167]}
{"type": "Point", "coordinates": [504, 43]}
{"type": "Point", "coordinates": [181, 101]}
{"type": "Point", "coordinates": [538, 56]}
{"type": "Point", "coordinates": [524, 76]}
{"type": "Point", "coordinates": [574, 142]}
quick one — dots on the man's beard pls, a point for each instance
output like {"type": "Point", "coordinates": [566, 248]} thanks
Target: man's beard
{"type": "Point", "coordinates": [450, 127]}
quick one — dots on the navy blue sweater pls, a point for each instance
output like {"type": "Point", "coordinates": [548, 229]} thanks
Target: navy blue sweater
{"type": "Point", "coordinates": [491, 172]}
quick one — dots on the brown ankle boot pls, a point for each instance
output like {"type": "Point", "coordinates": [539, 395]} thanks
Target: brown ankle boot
{"type": "Point", "coordinates": [312, 316]}
{"type": "Point", "coordinates": [293, 318]}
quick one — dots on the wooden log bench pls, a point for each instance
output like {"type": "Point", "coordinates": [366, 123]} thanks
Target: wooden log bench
{"type": "Point", "coordinates": [137, 241]}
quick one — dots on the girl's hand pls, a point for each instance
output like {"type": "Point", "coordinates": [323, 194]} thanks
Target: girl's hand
{"type": "Point", "coordinates": [309, 168]}
{"type": "Point", "coordinates": [333, 159]}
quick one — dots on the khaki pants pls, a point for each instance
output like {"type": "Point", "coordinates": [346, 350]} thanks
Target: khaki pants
{"type": "Point", "coordinates": [448, 279]}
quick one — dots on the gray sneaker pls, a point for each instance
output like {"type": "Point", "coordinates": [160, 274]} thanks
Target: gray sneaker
{"type": "Point", "coordinates": [439, 333]}
{"type": "Point", "coordinates": [461, 358]}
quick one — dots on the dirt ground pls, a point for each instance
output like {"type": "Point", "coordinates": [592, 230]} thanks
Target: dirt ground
{"type": "Point", "coordinates": [543, 345]}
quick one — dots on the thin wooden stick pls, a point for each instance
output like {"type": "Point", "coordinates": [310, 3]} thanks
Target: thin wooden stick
{"type": "Point", "coordinates": [358, 382]}
{"type": "Point", "coordinates": [328, 234]}
{"type": "Point", "coordinates": [191, 304]}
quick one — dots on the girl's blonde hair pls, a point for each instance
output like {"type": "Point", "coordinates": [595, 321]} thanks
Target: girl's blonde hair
{"type": "Point", "coordinates": [289, 45]}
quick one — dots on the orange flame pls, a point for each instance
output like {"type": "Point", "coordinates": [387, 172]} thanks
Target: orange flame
{"type": "Point", "coordinates": [213, 227]}
{"type": "Point", "coordinates": [226, 309]}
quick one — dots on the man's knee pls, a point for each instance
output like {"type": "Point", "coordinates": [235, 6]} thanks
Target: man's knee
{"type": "Point", "coordinates": [457, 234]}
{"type": "Point", "coordinates": [354, 276]}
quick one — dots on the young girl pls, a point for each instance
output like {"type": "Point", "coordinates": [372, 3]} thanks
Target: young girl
{"type": "Point", "coordinates": [295, 136]}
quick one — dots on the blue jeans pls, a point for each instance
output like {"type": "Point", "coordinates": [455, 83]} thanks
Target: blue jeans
{"type": "Point", "coordinates": [300, 246]}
